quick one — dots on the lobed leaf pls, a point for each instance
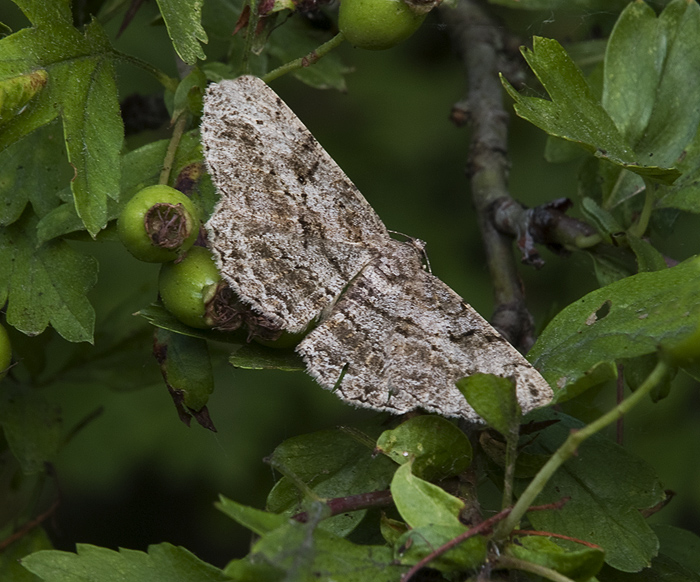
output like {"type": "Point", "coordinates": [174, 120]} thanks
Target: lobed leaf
{"type": "Point", "coordinates": [183, 21]}
{"type": "Point", "coordinates": [163, 563]}
{"type": "Point", "coordinates": [45, 285]}
{"type": "Point", "coordinates": [10, 567]}
{"type": "Point", "coordinates": [82, 89]}
{"type": "Point", "coordinates": [575, 113]}
{"type": "Point", "coordinates": [38, 183]}
{"type": "Point", "coordinates": [256, 520]}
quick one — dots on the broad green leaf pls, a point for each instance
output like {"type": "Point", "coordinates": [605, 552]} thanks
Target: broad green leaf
{"type": "Point", "coordinates": [685, 192]}
{"type": "Point", "coordinates": [563, 5]}
{"type": "Point", "coordinates": [626, 319]}
{"type": "Point", "coordinates": [630, 85]}
{"type": "Point", "coordinates": [422, 541]}
{"type": "Point", "coordinates": [256, 520]}
{"type": "Point", "coordinates": [579, 565]}
{"type": "Point", "coordinates": [674, 48]}
{"type": "Point", "coordinates": [607, 487]}
{"type": "Point", "coordinates": [183, 21]}
{"type": "Point", "coordinates": [305, 553]}
{"type": "Point", "coordinates": [680, 545]}
{"type": "Point", "coordinates": [45, 285]}
{"type": "Point", "coordinates": [663, 569]}
{"type": "Point", "coordinates": [163, 563]}
{"type": "Point", "coordinates": [32, 425]}
{"type": "Point", "coordinates": [575, 113]}
{"type": "Point", "coordinates": [333, 464]}
{"type": "Point", "coordinates": [186, 366]}
{"type": "Point", "coordinates": [436, 446]}
{"type": "Point", "coordinates": [37, 182]}
{"type": "Point", "coordinates": [611, 267]}
{"type": "Point", "coordinates": [10, 566]}
{"type": "Point", "coordinates": [421, 503]}
{"type": "Point", "coordinates": [494, 399]}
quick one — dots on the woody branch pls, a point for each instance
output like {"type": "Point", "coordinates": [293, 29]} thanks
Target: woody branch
{"type": "Point", "coordinates": [481, 44]}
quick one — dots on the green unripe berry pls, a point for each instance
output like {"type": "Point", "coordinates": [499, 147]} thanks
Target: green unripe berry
{"type": "Point", "coordinates": [158, 224]}
{"type": "Point", "coordinates": [5, 352]}
{"type": "Point", "coordinates": [187, 286]}
{"type": "Point", "coordinates": [377, 24]}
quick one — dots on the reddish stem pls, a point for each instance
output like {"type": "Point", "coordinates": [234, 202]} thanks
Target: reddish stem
{"type": "Point", "coordinates": [340, 505]}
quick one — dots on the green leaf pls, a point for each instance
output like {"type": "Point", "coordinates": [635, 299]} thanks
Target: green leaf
{"type": "Point", "coordinates": [575, 113]}
{"type": "Point", "coordinates": [494, 399]}
{"type": "Point", "coordinates": [680, 545]}
{"type": "Point", "coordinates": [302, 552]}
{"type": "Point", "coordinates": [89, 103]}
{"type": "Point", "coordinates": [437, 447]}
{"type": "Point", "coordinates": [422, 541]}
{"type": "Point", "coordinates": [16, 92]}
{"type": "Point", "coordinates": [578, 565]}
{"type": "Point", "coordinates": [37, 182]}
{"type": "Point", "coordinates": [652, 96]}
{"type": "Point", "coordinates": [421, 503]}
{"type": "Point", "coordinates": [610, 267]}
{"type": "Point", "coordinates": [139, 168]}
{"type": "Point", "coordinates": [391, 529]}
{"type": "Point", "coordinates": [10, 567]}
{"type": "Point", "coordinates": [256, 520]}
{"type": "Point", "coordinates": [32, 426]}
{"type": "Point", "coordinates": [607, 487]}
{"type": "Point", "coordinates": [163, 563]}
{"type": "Point", "coordinates": [82, 88]}
{"type": "Point", "coordinates": [45, 285]}
{"type": "Point", "coordinates": [183, 21]}
{"type": "Point", "coordinates": [186, 367]}
{"type": "Point", "coordinates": [648, 258]}
{"type": "Point", "coordinates": [333, 464]}
{"type": "Point", "coordinates": [629, 318]}
{"type": "Point", "coordinates": [253, 356]}
{"type": "Point", "coordinates": [603, 221]}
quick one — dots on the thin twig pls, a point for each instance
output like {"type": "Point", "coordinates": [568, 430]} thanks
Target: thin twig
{"type": "Point", "coordinates": [477, 40]}
{"type": "Point", "coordinates": [340, 505]}
{"type": "Point", "coordinates": [484, 527]}
{"type": "Point", "coordinates": [28, 526]}
{"type": "Point", "coordinates": [306, 60]}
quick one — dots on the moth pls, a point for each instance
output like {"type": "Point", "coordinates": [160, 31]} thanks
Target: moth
{"type": "Point", "coordinates": [298, 243]}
